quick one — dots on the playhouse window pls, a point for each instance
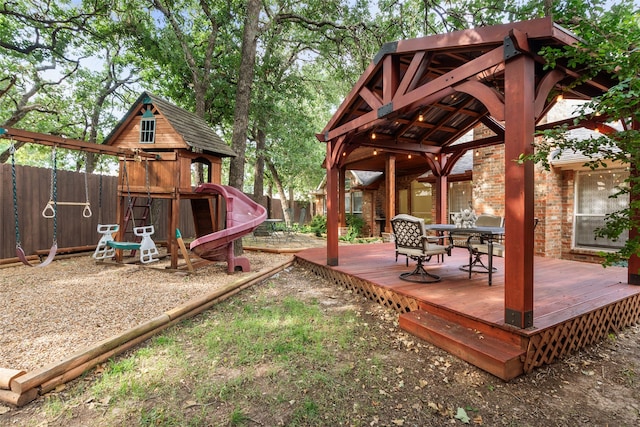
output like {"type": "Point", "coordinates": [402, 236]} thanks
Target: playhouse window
{"type": "Point", "coordinates": [147, 130]}
{"type": "Point", "coordinates": [593, 201]}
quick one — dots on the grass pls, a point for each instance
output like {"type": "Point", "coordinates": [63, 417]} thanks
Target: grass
{"type": "Point", "coordinates": [286, 357]}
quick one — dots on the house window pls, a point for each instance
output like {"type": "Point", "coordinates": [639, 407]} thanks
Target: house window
{"type": "Point", "coordinates": [147, 128]}
{"type": "Point", "coordinates": [356, 205]}
{"type": "Point", "coordinates": [421, 200]}
{"type": "Point", "coordinates": [593, 202]}
{"type": "Point", "coordinates": [353, 202]}
{"type": "Point", "coordinates": [460, 196]}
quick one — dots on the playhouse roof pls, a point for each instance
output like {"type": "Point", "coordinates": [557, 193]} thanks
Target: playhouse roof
{"type": "Point", "coordinates": [195, 132]}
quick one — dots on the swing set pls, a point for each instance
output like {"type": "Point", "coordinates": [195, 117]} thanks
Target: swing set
{"type": "Point", "coordinates": [147, 248]}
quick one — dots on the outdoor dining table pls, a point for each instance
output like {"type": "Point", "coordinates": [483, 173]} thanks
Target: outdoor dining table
{"type": "Point", "coordinates": [488, 234]}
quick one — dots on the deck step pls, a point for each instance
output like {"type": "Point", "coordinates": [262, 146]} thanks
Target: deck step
{"type": "Point", "coordinates": [490, 354]}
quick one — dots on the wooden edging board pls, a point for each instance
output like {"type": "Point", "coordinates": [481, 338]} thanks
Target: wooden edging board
{"type": "Point", "coordinates": [50, 376]}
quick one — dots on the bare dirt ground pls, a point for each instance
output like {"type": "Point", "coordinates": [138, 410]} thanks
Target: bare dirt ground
{"type": "Point", "coordinates": [599, 386]}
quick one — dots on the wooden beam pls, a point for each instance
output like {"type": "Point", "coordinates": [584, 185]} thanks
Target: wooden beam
{"type": "Point", "coordinates": [489, 97]}
{"type": "Point", "coordinates": [371, 98]}
{"type": "Point", "coordinates": [519, 191]}
{"type": "Point", "coordinates": [69, 144]}
{"type": "Point", "coordinates": [412, 75]}
{"type": "Point", "coordinates": [390, 78]}
{"type": "Point", "coordinates": [486, 36]}
{"type": "Point", "coordinates": [402, 147]}
{"type": "Point", "coordinates": [548, 82]}
{"type": "Point", "coordinates": [461, 73]}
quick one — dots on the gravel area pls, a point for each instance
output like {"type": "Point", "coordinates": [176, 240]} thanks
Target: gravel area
{"type": "Point", "coordinates": [51, 313]}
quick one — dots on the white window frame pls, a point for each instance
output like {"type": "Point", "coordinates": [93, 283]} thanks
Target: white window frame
{"type": "Point", "coordinates": [147, 130]}
{"type": "Point", "coordinates": [601, 244]}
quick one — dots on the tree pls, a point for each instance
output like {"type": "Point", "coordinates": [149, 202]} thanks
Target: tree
{"type": "Point", "coordinates": [612, 47]}
{"type": "Point", "coordinates": [243, 93]}
{"type": "Point", "coordinates": [40, 47]}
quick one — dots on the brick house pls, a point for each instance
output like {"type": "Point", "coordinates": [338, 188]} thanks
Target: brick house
{"type": "Point", "coordinates": [570, 199]}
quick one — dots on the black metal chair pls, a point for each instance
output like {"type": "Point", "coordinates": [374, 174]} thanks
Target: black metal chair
{"type": "Point", "coordinates": [412, 241]}
{"type": "Point", "coordinates": [478, 246]}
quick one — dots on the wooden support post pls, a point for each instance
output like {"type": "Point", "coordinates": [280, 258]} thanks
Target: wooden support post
{"type": "Point", "coordinates": [519, 190]}
{"type": "Point", "coordinates": [183, 249]}
{"type": "Point", "coordinates": [442, 190]}
{"type": "Point", "coordinates": [332, 208]}
{"type": "Point", "coordinates": [342, 194]}
{"type": "Point", "coordinates": [633, 268]}
{"type": "Point", "coordinates": [390, 182]}
{"type": "Point", "coordinates": [174, 223]}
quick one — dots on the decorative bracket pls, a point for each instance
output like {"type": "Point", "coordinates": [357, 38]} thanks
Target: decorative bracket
{"type": "Point", "coordinates": [510, 49]}
{"type": "Point", "coordinates": [385, 109]}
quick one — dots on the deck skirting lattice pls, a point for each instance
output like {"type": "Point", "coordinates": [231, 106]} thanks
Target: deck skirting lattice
{"type": "Point", "coordinates": [577, 333]}
{"type": "Point", "coordinates": [542, 347]}
{"type": "Point", "coordinates": [385, 297]}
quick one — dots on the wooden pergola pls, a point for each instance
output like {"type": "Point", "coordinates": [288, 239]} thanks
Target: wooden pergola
{"type": "Point", "coordinates": [419, 96]}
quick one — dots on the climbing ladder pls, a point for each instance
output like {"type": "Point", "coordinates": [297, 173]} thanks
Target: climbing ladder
{"type": "Point", "coordinates": [136, 214]}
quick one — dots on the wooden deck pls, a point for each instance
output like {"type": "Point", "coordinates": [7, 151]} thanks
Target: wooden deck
{"type": "Point", "coordinates": [576, 304]}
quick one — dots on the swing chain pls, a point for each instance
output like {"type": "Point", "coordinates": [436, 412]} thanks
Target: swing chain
{"type": "Point", "coordinates": [12, 151]}
{"type": "Point", "coordinates": [125, 176]}
{"type": "Point", "coordinates": [54, 194]}
{"type": "Point", "coordinates": [149, 199]}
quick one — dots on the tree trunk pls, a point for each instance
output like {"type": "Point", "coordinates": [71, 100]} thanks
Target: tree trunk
{"type": "Point", "coordinates": [243, 94]}
{"type": "Point", "coordinates": [283, 195]}
{"type": "Point", "coordinates": [258, 183]}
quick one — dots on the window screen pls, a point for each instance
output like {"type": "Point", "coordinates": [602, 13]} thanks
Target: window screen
{"type": "Point", "coordinates": [593, 202]}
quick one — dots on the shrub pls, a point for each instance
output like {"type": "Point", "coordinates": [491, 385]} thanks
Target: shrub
{"type": "Point", "coordinates": [319, 225]}
{"type": "Point", "coordinates": [355, 227]}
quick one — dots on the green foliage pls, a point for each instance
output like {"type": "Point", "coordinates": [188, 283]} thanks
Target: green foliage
{"type": "Point", "coordinates": [355, 227]}
{"type": "Point", "coordinates": [319, 225]}
{"type": "Point", "coordinates": [611, 47]}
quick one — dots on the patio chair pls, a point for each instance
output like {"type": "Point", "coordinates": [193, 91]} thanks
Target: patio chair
{"type": "Point", "coordinates": [412, 241]}
{"type": "Point", "coordinates": [478, 246]}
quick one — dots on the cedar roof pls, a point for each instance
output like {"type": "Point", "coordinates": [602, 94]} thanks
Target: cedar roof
{"type": "Point", "coordinates": [195, 132]}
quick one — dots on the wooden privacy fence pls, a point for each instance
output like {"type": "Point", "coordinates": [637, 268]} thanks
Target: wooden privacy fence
{"type": "Point", "coordinates": [73, 229]}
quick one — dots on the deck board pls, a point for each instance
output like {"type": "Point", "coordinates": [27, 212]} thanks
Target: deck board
{"type": "Point", "coordinates": [562, 289]}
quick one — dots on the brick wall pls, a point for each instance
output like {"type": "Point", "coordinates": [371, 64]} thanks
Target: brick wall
{"type": "Point", "coordinates": [488, 180]}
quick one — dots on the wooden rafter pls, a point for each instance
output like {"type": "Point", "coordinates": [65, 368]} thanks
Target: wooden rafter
{"type": "Point", "coordinates": [70, 144]}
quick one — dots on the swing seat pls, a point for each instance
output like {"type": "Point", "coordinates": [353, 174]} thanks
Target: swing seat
{"type": "Point", "coordinates": [106, 247]}
{"type": "Point", "coordinates": [127, 246]}
{"type": "Point", "coordinates": [148, 250]}
{"type": "Point", "coordinates": [103, 249]}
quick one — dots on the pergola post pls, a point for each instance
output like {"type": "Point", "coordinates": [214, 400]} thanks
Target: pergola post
{"type": "Point", "coordinates": [342, 194]}
{"type": "Point", "coordinates": [390, 182]}
{"type": "Point", "coordinates": [519, 190]}
{"type": "Point", "coordinates": [332, 211]}
{"type": "Point", "coordinates": [633, 267]}
{"type": "Point", "coordinates": [442, 189]}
